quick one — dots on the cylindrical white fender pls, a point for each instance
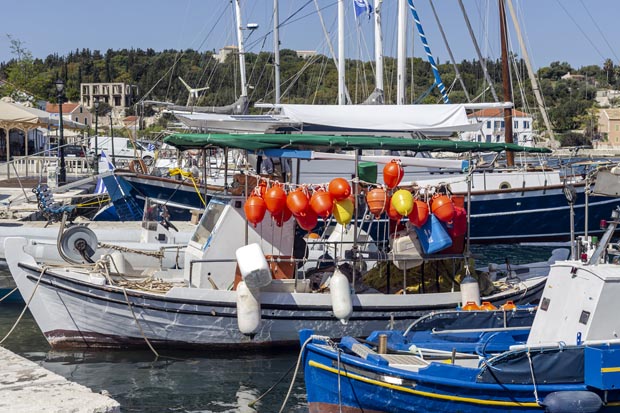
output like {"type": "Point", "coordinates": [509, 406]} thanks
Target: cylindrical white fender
{"type": "Point", "coordinates": [248, 309]}
{"type": "Point", "coordinates": [253, 266]}
{"type": "Point", "coordinates": [470, 291]}
{"type": "Point", "coordinates": [340, 292]}
{"type": "Point", "coordinates": [118, 262]}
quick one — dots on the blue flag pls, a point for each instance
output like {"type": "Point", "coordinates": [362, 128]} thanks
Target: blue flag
{"type": "Point", "coordinates": [361, 7]}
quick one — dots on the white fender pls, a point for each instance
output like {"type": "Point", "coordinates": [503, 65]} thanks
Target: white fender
{"type": "Point", "coordinates": [470, 291]}
{"type": "Point", "coordinates": [118, 262]}
{"type": "Point", "coordinates": [248, 309]}
{"type": "Point", "coordinates": [253, 266]}
{"type": "Point", "coordinates": [340, 292]}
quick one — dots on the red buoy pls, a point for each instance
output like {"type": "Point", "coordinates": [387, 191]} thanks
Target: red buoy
{"type": "Point", "coordinates": [419, 214]}
{"type": "Point", "coordinates": [255, 209]}
{"type": "Point", "coordinates": [282, 216]}
{"type": "Point", "coordinates": [339, 189]}
{"type": "Point", "coordinates": [393, 214]}
{"type": "Point", "coordinates": [307, 221]}
{"type": "Point", "coordinates": [275, 199]}
{"type": "Point", "coordinates": [442, 207]}
{"type": "Point", "coordinates": [393, 173]}
{"type": "Point", "coordinates": [321, 203]}
{"type": "Point", "coordinates": [297, 201]}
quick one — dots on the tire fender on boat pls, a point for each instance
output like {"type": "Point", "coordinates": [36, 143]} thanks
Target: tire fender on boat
{"type": "Point", "coordinates": [248, 309]}
{"type": "Point", "coordinates": [340, 292]}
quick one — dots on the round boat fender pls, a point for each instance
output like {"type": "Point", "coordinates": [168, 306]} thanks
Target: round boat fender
{"type": "Point", "coordinates": [579, 401]}
{"type": "Point", "coordinates": [248, 309]}
{"type": "Point", "coordinates": [340, 292]}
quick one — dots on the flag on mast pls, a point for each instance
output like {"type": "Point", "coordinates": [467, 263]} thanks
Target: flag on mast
{"type": "Point", "coordinates": [361, 7]}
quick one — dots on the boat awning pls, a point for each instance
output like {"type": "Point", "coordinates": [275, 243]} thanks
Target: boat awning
{"type": "Point", "coordinates": [184, 141]}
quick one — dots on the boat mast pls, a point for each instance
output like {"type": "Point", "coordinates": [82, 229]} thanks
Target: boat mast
{"type": "Point", "coordinates": [377, 96]}
{"type": "Point", "coordinates": [244, 86]}
{"type": "Point", "coordinates": [342, 100]}
{"type": "Point", "coordinates": [530, 72]}
{"type": "Point", "coordinates": [378, 47]}
{"type": "Point", "coordinates": [401, 71]}
{"type": "Point", "coordinates": [510, 160]}
{"type": "Point", "coordinates": [276, 49]}
{"type": "Point", "coordinates": [429, 54]}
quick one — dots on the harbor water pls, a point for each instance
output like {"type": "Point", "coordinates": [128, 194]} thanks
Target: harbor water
{"type": "Point", "coordinates": [193, 381]}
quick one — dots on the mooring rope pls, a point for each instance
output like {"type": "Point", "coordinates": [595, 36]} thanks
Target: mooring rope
{"type": "Point", "coordinates": [301, 352]}
{"type": "Point", "coordinates": [43, 269]}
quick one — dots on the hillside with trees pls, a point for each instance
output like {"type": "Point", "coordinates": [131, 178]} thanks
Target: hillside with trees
{"type": "Point", "coordinates": [313, 80]}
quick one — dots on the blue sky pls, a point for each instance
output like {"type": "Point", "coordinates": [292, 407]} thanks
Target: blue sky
{"type": "Point", "coordinates": [581, 32]}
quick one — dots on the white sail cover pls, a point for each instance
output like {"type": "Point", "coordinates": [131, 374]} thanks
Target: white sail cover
{"type": "Point", "coordinates": [428, 119]}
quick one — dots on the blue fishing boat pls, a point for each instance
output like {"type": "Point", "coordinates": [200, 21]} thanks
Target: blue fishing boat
{"type": "Point", "coordinates": [570, 362]}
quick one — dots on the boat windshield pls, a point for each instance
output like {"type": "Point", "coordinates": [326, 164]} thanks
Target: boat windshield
{"type": "Point", "coordinates": [207, 223]}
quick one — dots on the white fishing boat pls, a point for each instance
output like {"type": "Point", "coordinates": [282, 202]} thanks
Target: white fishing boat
{"type": "Point", "coordinates": [207, 304]}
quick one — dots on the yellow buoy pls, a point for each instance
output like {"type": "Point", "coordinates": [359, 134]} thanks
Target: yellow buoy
{"type": "Point", "coordinates": [343, 211]}
{"type": "Point", "coordinates": [402, 201]}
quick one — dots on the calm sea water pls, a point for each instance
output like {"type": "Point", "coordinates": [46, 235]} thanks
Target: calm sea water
{"type": "Point", "coordinates": [193, 381]}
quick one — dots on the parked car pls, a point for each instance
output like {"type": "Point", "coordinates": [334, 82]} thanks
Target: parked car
{"type": "Point", "coordinates": [70, 150]}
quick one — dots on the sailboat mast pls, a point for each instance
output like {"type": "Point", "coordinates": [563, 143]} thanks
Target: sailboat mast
{"type": "Point", "coordinates": [530, 72]}
{"type": "Point", "coordinates": [276, 49]}
{"type": "Point", "coordinates": [401, 71]}
{"type": "Point", "coordinates": [510, 160]}
{"type": "Point", "coordinates": [244, 86]}
{"type": "Point", "coordinates": [378, 46]}
{"type": "Point", "coordinates": [341, 63]}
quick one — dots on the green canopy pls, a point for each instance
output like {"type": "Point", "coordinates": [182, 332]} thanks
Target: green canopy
{"type": "Point", "coordinates": [185, 141]}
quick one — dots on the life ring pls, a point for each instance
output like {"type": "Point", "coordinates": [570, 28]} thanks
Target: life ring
{"type": "Point", "coordinates": [138, 166]}
{"type": "Point", "coordinates": [504, 185]}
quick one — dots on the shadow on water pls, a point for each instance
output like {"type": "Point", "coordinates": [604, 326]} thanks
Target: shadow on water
{"type": "Point", "coordinates": [193, 381]}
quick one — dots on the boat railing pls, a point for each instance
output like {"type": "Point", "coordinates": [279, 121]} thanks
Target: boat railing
{"type": "Point", "coordinates": [378, 257]}
{"type": "Point", "coordinates": [479, 330]}
{"type": "Point", "coordinates": [177, 248]}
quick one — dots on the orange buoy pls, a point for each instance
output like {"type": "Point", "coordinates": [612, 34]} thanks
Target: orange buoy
{"type": "Point", "coordinates": [308, 220]}
{"type": "Point", "coordinates": [297, 201]}
{"type": "Point", "coordinates": [393, 173]}
{"type": "Point", "coordinates": [321, 203]}
{"type": "Point", "coordinates": [470, 306]}
{"type": "Point", "coordinates": [377, 201]}
{"type": "Point", "coordinates": [442, 207]}
{"type": "Point", "coordinates": [282, 216]}
{"type": "Point", "coordinates": [275, 199]}
{"type": "Point", "coordinates": [508, 305]}
{"type": "Point", "coordinates": [255, 209]}
{"type": "Point", "coordinates": [486, 305]}
{"type": "Point", "coordinates": [419, 213]}
{"type": "Point", "coordinates": [339, 189]}
{"type": "Point", "coordinates": [392, 212]}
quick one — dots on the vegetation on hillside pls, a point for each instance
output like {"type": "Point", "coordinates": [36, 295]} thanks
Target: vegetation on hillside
{"type": "Point", "coordinates": [313, 80]}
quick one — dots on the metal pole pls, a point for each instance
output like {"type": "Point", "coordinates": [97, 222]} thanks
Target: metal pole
{"type": "Point", "coordinates": [62, 173]}
{"type": "Point", "coordinates": [112, 137]}
{"type": "Point", "coordinates": [96, 137]}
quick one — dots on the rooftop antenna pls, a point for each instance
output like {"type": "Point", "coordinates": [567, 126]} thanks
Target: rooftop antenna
{"type": "Point", "coordinates": [193, 92]}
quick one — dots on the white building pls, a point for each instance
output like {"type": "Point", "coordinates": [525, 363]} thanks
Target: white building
{"type": "Point", "coordinates": [493, 127]}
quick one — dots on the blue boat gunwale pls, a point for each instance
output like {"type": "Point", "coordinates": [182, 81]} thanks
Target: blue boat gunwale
{"type": "Point", "coordinates": [434, 380]}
